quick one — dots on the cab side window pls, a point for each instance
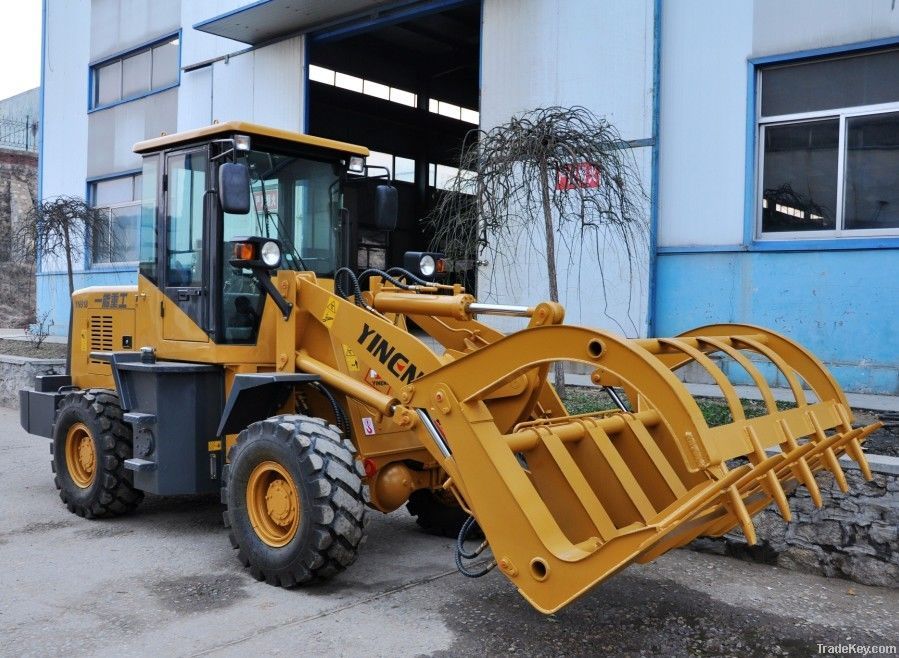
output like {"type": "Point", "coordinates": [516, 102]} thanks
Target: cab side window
{"type": "Point", "coordinates": [184, 218]}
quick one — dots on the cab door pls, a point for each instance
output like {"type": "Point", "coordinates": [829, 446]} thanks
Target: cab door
{"type": "Point", "coordinates": [186, 275]}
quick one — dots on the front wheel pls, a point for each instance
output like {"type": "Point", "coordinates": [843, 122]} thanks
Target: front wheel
{"type": "Point", "coordinates": [296, 505]}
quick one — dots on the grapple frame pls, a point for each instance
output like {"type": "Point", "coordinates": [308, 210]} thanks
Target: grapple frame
{"type": "Point", "coordinates": [566, 501]}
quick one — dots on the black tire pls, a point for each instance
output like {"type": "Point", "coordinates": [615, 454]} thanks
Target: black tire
{"type": "Point", "coordinates": [436, 514]}
{"type": "Point", "coordinates": [332, 498]}
{"type": "Point", "coordinates": [110, 491]}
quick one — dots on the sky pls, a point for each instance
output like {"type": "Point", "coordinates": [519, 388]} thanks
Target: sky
{"type": "Point", "coordinates": [20, 47]}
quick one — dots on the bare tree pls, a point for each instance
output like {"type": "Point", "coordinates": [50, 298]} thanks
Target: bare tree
{"type": "Point", "coordinates": [561, 171]}
{"type": "Point", "coordinates": [60, 228]}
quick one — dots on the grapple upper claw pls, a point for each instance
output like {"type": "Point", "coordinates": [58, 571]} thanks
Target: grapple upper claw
{"type": "Point", "coordinates": [600, 491]}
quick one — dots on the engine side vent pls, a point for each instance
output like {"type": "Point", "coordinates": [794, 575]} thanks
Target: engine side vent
{"type": "Point", "coordinates": [101, 334]}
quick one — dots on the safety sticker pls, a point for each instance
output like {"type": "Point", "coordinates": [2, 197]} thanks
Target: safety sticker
{"type": "Point", "coordinates": [330, 312]}
{"type": "Point", "coordinates": [368, 425]}
{"type": "Point", "coordinates": [352, 363]}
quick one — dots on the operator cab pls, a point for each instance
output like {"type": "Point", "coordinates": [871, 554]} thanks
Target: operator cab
{"type": "Point", "coordinates": [207, 190]}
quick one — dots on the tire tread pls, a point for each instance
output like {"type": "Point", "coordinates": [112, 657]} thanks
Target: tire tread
{"type": "Point", "coordinates": [339, 510]}
{"type": "Point", "coordinates": [117, 495]}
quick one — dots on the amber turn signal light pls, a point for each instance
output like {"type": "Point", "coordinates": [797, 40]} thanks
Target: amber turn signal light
{"type": "Point", "coordinates": [244, 251]}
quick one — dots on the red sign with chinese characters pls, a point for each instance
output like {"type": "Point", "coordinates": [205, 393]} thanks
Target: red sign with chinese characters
{"type": "Point", "coordinates": [582, 175]}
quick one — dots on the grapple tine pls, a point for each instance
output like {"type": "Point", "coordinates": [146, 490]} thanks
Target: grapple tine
{"type": "Point", "coordinates": [854, 448]}
{"type": "Point", "coordinates": [773, 487]}
{"type": "Point", "coordinates": [801, 468]}
{"type": "Point", "coordinates": [833, 464]}
{"type": "Point", "coordinates": [736, 505]}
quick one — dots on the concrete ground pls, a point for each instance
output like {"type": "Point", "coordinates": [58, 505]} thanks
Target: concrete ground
{"type": "Point", "coordinates": [165, 582]}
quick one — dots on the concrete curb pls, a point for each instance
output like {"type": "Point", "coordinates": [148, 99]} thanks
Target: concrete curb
{"type": "Point", "coordinates": [17, 372]}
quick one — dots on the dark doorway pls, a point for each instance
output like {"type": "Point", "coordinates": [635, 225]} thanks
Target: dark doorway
{"type": "Point", "coordinates": [408, 89]}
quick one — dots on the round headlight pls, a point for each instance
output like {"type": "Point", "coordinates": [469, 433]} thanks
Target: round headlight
{"type": "Point", "coordinates": [270, 253]}
{"type": "Point", "coordinates": [427, 265]}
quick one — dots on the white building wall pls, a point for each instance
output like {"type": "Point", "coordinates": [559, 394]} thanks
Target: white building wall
{"type": "Point", "coordinates": [115, 131]}
{"type": "Point", "coordinates": [782, 27]}
{"type": "Point", "coordinates": [705, 44]}
{"type": "Point", "coordinates": [118, 25]}
{"type": "Point", "coordinates": [263, 85]}
{"type": "Point", "coordinates": [704, 86]}
{"type": "Point", "coordinates": [195, 108]}
{"type": "Point", "coordinates": [594, 53]}
{"type": "Point", "coordinates": [67, 41]}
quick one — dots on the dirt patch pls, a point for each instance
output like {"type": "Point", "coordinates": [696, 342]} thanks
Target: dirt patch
{"type": "Point", "coordinates": [199, 593]}
{"type": "Point", "coordinates": [634, 616]}
{"type": "Point", "coordinates": [37, 528]}
{"type": "Point", "coordinates": [25, 348]}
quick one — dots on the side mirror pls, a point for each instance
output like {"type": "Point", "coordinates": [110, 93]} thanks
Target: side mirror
{"type": "Point", "coordinates": [386, 207]}
{"type": "Point", "coordinates": [234, 188]}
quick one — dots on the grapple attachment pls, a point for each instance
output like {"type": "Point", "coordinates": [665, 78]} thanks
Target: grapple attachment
{"type": "Point", "coordinates": [566, 501]}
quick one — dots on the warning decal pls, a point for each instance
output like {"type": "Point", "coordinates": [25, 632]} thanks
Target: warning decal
{"type": "Point", "coordinates": [352, 363]}
{"type": "Point", "coordinates": [368, 426]}
{"type": "Point", "coordinates": [330, 312]}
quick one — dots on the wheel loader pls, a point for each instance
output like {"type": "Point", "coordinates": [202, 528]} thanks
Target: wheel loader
{"type": "Point", "coordinates": [249, 360]}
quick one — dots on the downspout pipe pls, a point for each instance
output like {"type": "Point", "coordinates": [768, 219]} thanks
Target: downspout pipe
{"type": "Point", "coordinates": [654, 181]}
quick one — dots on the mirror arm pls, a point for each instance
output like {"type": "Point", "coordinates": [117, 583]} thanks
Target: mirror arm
{"type": "Point", "coordinates": [261, 275]}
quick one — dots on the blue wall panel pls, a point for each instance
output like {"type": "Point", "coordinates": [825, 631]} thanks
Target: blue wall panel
{"type": "Point", "coordinates": [53, 292]}
{"type": "Point", "coordinates": [842, 305]}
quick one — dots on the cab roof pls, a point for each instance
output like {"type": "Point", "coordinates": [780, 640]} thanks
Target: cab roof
{"type": "Point", "coordinates": [228, 128]}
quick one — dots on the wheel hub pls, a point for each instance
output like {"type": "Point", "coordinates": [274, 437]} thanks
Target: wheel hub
{"type": "Point", "coordinates": [81, 457]}
{"type": "Point", "coordinates": [273, 504]}
{"type": "Point", "coordinates": [279, 502]}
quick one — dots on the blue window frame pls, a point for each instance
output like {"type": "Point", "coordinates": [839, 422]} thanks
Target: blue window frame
{"type": "Point", "coordinates": [115, 239]}
{"type": "Point", "coordinates": [823, 149]}
{"type": "Point", "coordinates": [136, 73]}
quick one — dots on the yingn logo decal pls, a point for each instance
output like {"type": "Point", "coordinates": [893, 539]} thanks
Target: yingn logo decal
{"type": "Point", "coordinates": [397, 362]}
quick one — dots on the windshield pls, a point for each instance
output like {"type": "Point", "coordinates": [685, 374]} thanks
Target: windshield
{"type": "Point", "coordinates": [295, 200]}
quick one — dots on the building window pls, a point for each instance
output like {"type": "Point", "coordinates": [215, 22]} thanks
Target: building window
{"type": "Point", "coordinates": [829, 147]}
{"type": "Point", "coordinates": [137, 73]}
{"type": "Point", "coordinates": [116, 239]}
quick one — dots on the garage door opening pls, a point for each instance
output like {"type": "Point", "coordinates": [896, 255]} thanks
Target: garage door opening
{"type": "Point", "coordinates": [408, 89]}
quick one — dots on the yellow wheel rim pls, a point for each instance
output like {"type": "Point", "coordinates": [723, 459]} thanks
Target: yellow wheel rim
{"type": "Point", "coordinates": [273, 504]}
{"type": "Point", "coordinates": [81, 457]}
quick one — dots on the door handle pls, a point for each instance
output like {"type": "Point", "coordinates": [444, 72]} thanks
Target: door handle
{"type": "Point", "coordinates": [185, 294]}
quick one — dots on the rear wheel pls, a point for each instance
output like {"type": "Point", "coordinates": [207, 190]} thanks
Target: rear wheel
{"type": "Point", "coordinates": [90, 446]}
{"type": "Point", "coordinates": [437, 512]}
{"type": "Point", "coordinates": [296, 505]}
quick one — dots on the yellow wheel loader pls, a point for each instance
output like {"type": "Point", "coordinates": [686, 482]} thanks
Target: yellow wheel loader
{"type": "Point", "coordinates": [249, 360]}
